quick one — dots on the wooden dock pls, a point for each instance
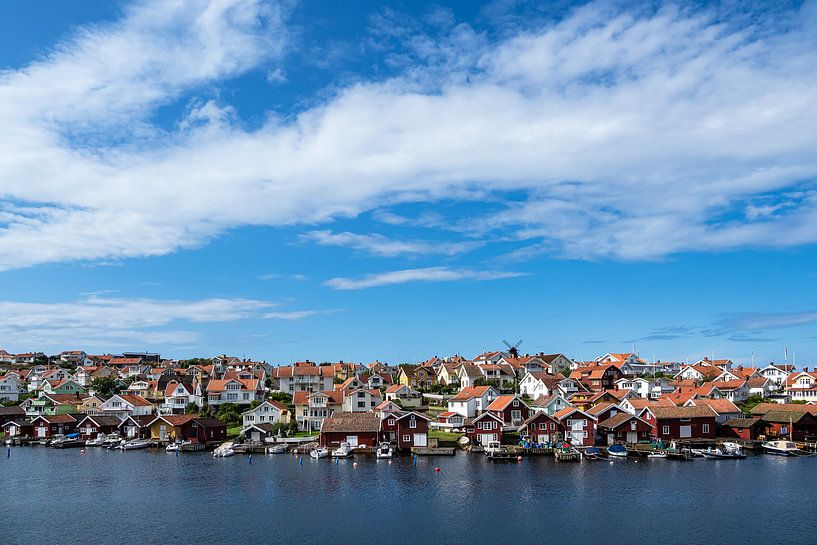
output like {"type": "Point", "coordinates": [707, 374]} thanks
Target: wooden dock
{"type": "Point", "coordinates": [429, 451]}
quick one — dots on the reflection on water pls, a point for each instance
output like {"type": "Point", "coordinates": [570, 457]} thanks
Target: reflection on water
{"type": "Point", "coordinates": [142, 496]}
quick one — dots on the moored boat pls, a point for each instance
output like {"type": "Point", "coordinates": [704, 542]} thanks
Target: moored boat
{"type": "Point", "coordinates": [343, 451]}
{"type": "Point", "coordinates": [384, 450]}
{"type": "Point", "coordinates": [656, 455]}
{"type": "Point", "coordinates": [98, 441]}
{"type": "Point", "coordinates": [280, 448]}
{"type": "Point", "coordinates": [618, 451]}
{"type": "Point", "coordinates": [225, 450]}
{"type": "Point", "coordinates": [781, 448]}
{"type": "Point", "coordinates": [134, 444]}
{"type": "Point", "coordinates": [318, 453]}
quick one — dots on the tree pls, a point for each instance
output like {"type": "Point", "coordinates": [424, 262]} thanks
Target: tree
{"type": "Point", "coordinates": [191, 408]}
{"type": "Point", "coordinates": [281, 397]}
{"type": "Point", "coordinates": [255, 403]}
{"type": "Point", "coordinates": [104, 386]}
{"type": "Point", "coordinates": [230, 414]}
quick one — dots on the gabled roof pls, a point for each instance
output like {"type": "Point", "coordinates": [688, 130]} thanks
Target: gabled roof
{"type": "Point", "coordinates": [720, 406]}
{"type": "Point", "coordinates": [567, 411]}
{"type": "Point", "coordinates": [135, 400]}
{"type": "Point", "coordinates": [503, 401]}
{"type": "Point", "coordinates": [471, 392]}
{"type": "Point", "coordinates": [351, 422]}
{"type": "Point", "coordinates": [101, 420]}
{"type": "Point", "coordinates": [763, 408]}
{"type": "Point", "coordinates": [220, 385]}
{"type": "Point", "coordinates": [617, 420]}
{"type": "Point", "coordinates": [680, 412]}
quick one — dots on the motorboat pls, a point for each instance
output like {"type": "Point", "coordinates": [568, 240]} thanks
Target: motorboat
{"type": "Point", "coordinates": [279, 448]}
{"type": "Point", "coordinates": [781, 448]}
{"type": "Point", "coordinates": [343, 451]}
{"type": "Point", "coordinates": [592, 453]}
{"type": "Point", "coordinates": [657, 455]}
{"type": "Point", "coordinates": [112, 440]}
{"type": "Point", "coordinates": [98, 441]}
{"type": "Point", "coordinates": [70, 440]}
{"type": "Point", "coordinates": [225, 450]}
{"type": "Point", "coordinates": [728, 451]}
{"type": "Point", "coordinates": [617, 451]}
{"type": "Point", "coordinates": [176, 446]}
{"type": "Point", "coordinates": [320, 452]}
{"type": "Point", "coordinates": [384, 450]}
{"type": "Point", "coordinates": [134, 444]}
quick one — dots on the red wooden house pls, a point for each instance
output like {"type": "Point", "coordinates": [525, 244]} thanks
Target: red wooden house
{"type": "Point", "coordinates": [483, 429]}
{"type": "Point", "coordinates": [511, 409]}
{"type": "Point", "coordinates": [542, 428]}
{"type": "Point", "coordinates": [671, 423]}
{"type": "Point", "coordinates": [90, 426]}
{"type": "Point", "coordinates": [357, 429]}
{"type": "Point", "coordinates": [748, 429]}
{"type": "Point", "coordinates": [412, 430]}
{"type": "Point", "coordinates": [624, 428]}
{"type": "Point", "coordinates": [790, 423]}
{"type": "Point", "coordinates": [578, 427]}
{"type": "Point", "coordinates": [49, 425]}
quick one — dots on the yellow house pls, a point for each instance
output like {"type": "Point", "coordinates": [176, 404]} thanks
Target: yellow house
{"type": "Point", "coordinates": [168, 428]}
{"type": "Point", "coordinates": [90, 406]}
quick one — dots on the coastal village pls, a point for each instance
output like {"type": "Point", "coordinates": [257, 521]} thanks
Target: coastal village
{"type": "Point", "coordinates": [500, 402]}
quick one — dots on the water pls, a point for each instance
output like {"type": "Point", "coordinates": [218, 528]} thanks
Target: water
{"type": "Point", "coordinates": [137, 497]}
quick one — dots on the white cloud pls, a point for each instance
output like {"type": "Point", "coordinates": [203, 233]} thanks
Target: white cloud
{"type": "Point", "coordinates": [383, 246]}
{"type": "Point", "coordinates": [428, 274]}
{"type": "Point", "coordinates": [96, 320]}
{"type": "Point", "coordinates": [635, 135]}
{"type": "Point", "coordinates": [299, 314]}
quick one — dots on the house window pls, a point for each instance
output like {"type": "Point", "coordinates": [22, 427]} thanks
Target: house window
{"type": "Point", "coordinates": [412, 422]}
{"type": "Point", "coordinates": [705, 428]}
{"type": "Point", "coordinates": [543, 426]}
{"type": "Point", "coordinates": [407, 438]}
{"type": "Point", "coordinates": [391, 421]}
{"type": "Point", "coordinates": [553, 425]}
{"type": "Point", "coordinates": [361, 404]}
{"type": "Point", "coordinates": [665, 430]}
{"type": "Point", "coordinates": [515, 403]}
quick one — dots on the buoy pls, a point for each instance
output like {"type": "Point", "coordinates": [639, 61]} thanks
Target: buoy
{"type": "Point", "coordinates": [81, 451]}
{"type": "Point", "coordinates": [389, 462]}
{"type": "Point", "coordinates": [177, 454]}
{"type": "Point", "coordinates": [437, 469]}
{"type": "Point", "coordinates": [415, 459]}
{"type": "Point", "coordinates": [337, 461]}
{"type": "Point", "coordinates": [301, 460]}
{"type": "Point", "coordinates": [354, 464]}
{"type": "Point", "coordinates": [518, 458]}
{"type": "Point", "coordinates": [611, 462]}
{"type": "Point", "coordinates": [249, 458]}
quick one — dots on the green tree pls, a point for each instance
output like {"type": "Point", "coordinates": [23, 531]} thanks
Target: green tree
{"type": "Point", "coordinates": [104, 386]}
{"type": "Point", "coordinates": [230, 414]}
{"type": "Point", "coordinates": [255, 403]}
{"type": "Point", "coordinates": [281, 397]}
{"type": "Point", "coordinates": [191, 408]}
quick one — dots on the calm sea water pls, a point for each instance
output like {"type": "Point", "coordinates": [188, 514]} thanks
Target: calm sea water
{"type": "Point", "coordinates": [136, 497]}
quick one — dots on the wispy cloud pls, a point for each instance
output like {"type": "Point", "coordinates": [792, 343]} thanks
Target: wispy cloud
{"type": "Point", "coordinates": [760, 321]}
{"type": "Point", "coordinates": [429, 274]}
{"type": "Point", "coordinates": [380, 245]}
{"type": "Point", "coordinates": [701, 133]}
{"type": "Point", "coordinates": [299, 314]}
{"type": "Point", "coordinates": [282, 276]}
{"type": "Point", "coordinates": [107, 321]}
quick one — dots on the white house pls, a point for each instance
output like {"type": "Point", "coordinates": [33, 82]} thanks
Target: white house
{"type": "Point", "coordinates": [537, 384]}
{"type": "Point", "coordinates": [234, 390]}
{"type": "Point", "coordinates": [179, 395]}
{"type": "Point", "coordinates": [10, 388]}
{"type": "Point", "coordinates": [407, 397]}
{"type": "Point", "coordinates": [802, 386]}
{"type": "Point", "coordinates": [268, 412]}
{"type": "Point", "coordinates": [361, 400]}
{"type": "Point", "coordinates": [123, 406]}
{"type": "Point", "coordinates": [777, 373]}
{"type": "Point", "coordinates": [304, 376]}
{"type": "Point", "coordinates": [645, 388]}
{"type": "Point", "coordinates": [470, 402]}
{"type": "Point", "coordinates": [549, 404]}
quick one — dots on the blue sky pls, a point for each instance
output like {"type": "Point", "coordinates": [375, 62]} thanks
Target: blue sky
{"type": "Point", "coordinates": [288, 180]}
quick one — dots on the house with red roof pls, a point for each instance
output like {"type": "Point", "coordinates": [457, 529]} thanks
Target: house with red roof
{"type": "Point", "coordinates": [578, 427]}
{"type": "Point", "coordinates": [303, 377]}
{"type": "Point", "coordinates": [624, 427]}
{"type": "Point", "coordinates": [723, 408]}
{"type": "Point", "coordinates": [361, 400]}
{"type": "Point", "coordinates": [239, 391]}
{"type": "Point", "coordinates": [407, 398]}
{"type": "Point", "coordinates": [125, 405]}
{"type": "Point", "coordinates": [311, 408]}
{"type": "Point", "coordinates": [484, 428]}
{"type": "Point", "coordinates": [802, 386]}
{"type": "Point", "coordinates": [46, 426]}
{"type": "Point", "coordinates": [541, 428]}
{"type": "Point", "coordinates": [469, 402]}
{"type": "Point", "coordinates": [511, 409]}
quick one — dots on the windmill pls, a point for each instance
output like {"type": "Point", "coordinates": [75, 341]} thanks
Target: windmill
{"type": "Point", "coordinates": [513, 348]}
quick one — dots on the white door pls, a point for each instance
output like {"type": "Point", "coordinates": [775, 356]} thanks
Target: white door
{"type": "Point", "coordinates": [486, 438]}
{"type": "Point", "coordinates": [41, 432]}
{"type": "Point", "coordinates": [352, 440]}
{"type": "Point", "coordinates": [420, 440]}
{"type": "Point", "coordinates": [162, 433]}
{"type": "Point", "coordinates": [611, 438]}
{"type": "Point", "coordinates": [686, 431]}
{"type": "Point", "coordinates": [632, 437]}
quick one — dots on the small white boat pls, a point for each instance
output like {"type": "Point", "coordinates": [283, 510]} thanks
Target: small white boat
{"type": "Point", "coordinates": [112, 440]}
{"type": "Point", "coordinates": [176, 446]}
{"type": "Point", "coordinates": [280, 448]}
{"type": "Point", "coordinates": [225, 450]}
{"type": "Point", "coordinates": [134, 444]}
{"type": "Point", "coordinates": [384, 450]}
{"type": "Point", "coordinates": [343, 451]}
{"type": "Point", "coordinates": [98, 441]}
{"type": "Point", "coordinates": [320, 452]}
{"type": "Point", "coordinates": [781, 448]}
{"type": "Point", "coordinates": [657, 455]}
